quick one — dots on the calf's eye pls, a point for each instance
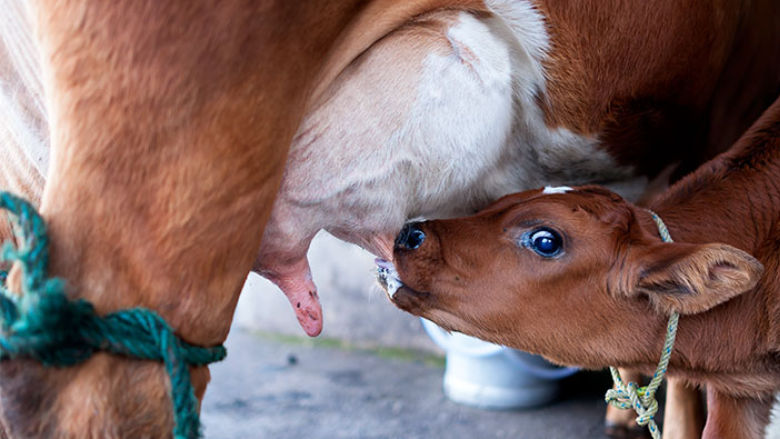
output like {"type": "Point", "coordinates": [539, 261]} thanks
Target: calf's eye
{"type": "Point", "coordinates": [545, 242]}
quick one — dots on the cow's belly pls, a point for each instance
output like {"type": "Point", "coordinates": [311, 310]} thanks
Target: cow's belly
{"type": "Point", "coordinates": [448, 130]}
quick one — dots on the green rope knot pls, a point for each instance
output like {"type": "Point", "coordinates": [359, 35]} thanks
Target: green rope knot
{"type": "Point", "coordinates": [642, 399]}
{"type": "Point", "coordinates": [631, 396]}
{"type": "Point", "coordinates": [42, 324]}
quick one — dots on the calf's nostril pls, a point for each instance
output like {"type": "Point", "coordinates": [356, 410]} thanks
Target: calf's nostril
{"type": "Point", "coordinates": [411, 237]}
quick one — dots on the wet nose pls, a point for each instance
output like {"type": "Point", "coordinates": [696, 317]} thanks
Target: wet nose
{"type": "Point", "coordinates": [411, 237]}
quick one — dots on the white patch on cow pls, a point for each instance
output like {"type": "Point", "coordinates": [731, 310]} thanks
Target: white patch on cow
{"type": "Point", "coordinates": [527, 26]}
{"type": "Point", "coordinates": [477, 112]}
{"type": "Point", "coordinates": [430, 124]}
{"type": "Point", "coordinates": [24, 132]}
{"type": "Point", "coordinates": [556, 189]}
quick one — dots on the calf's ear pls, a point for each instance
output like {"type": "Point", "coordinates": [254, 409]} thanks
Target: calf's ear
{"type": "Point", "coordinates": [691, 278]}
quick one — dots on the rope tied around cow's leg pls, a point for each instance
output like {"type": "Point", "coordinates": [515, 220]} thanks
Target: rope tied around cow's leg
{"type": "Point", "coordinates": [43, 324]}
{"type": "Point", "coordinates": [642, 399]}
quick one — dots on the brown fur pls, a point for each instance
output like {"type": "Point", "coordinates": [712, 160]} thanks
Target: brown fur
{"type": "Point", "coordinates": [661, 75]}
{"type": "Point", "coordinates": [684, 412]}
{"type": "Point", "coordinates": [605, 299]}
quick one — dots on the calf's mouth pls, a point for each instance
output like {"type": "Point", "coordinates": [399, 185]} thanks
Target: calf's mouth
{"type": "Point", "coordinates": [402, 295]}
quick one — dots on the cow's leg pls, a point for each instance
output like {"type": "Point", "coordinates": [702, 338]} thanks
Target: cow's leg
{"type": "Point", "coordinates": [684, 411]}
{"type": "Point", "coordinates": [619, 423]}
{"type": "Point", "coordinates": [736, 418]}
{"type": "Point", "coordinates": [170, 127]}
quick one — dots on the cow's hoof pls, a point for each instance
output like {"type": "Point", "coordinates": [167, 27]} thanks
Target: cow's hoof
{"type": "Point", "coordinates": [617, 431]}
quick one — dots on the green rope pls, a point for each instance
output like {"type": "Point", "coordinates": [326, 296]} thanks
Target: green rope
{"type": "Point", "coordinates": [42, 324]}
{"type": "Point", "coordinates": [642, 399]}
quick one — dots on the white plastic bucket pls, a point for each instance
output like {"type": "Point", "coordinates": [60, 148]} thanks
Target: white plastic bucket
{"type": "Point", "coordinates": [487, 375]}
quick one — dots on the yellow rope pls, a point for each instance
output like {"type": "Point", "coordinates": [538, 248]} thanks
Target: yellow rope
{"type": "Point", "coordinates": [642, 399]}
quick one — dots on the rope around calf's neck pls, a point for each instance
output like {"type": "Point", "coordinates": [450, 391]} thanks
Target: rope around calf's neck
{"type": "Point", "coordinates": [642, 399]}
{"type": "Point", "coordinates": [42, 324]}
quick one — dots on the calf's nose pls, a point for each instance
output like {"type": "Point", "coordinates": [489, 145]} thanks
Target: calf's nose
{"type": "Point", "coordinates": [411, 237]}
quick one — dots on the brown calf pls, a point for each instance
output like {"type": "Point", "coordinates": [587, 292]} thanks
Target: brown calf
{"type": "Point", "coordinates": [582, 277]}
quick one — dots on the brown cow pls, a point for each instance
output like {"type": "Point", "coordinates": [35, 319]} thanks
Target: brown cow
{"type": "Point", "coordinates": [170, 126]}
{"type": "Point", "coordinates": [581, 276]}
{"type": "Point", "coordinates": [169, 131]}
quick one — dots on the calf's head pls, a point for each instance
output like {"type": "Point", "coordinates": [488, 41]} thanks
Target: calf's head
{"type": "Point", "coordinates": [564, 273]}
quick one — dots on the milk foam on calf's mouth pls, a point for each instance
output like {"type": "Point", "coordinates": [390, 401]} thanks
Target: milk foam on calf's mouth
{"type": "Point", "coordinates": [387, 276]}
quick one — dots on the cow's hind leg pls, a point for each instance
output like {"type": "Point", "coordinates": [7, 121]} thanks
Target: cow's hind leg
{"type": "Point", "coordinates": [684, 411]}
{"type": "Point", "coordinates": [729, 417]}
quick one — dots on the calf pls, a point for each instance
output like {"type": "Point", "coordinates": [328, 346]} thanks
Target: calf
{"type": "Point", "coordinates": [581, 276]}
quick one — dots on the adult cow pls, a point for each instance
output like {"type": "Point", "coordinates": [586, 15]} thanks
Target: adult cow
{"type": "Point", "coordinates": [170, 128]}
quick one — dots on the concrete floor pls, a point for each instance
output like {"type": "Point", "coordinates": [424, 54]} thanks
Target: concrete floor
{"type": "Point", "coordinates": [286, 387]}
